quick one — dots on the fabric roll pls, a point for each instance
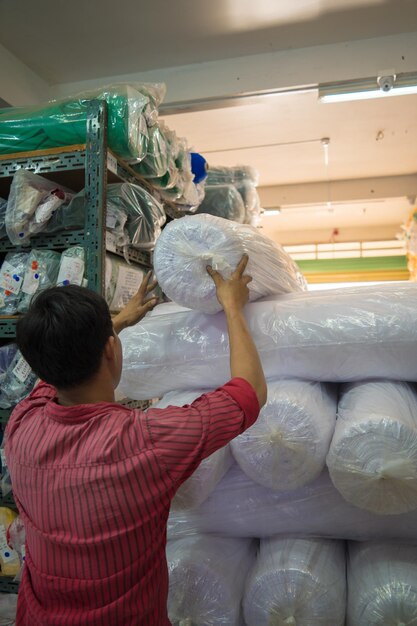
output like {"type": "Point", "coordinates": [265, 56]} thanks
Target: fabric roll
{"type": "Point", "coordinates": [338, 336]}
{"type": "Point", "coordinates": [223, 201]}
{"type": "Point", "coordinates": [297, 582]}
{"type": "Point", "coordinates": [382, 585]}
{"type": "Point", "coordinates": [210, 471]}
{"type": "Point", "coordinates": [186, 246]}
{"type": "Point", "coordinates": [373, 455]}
{"type": "Point", "coordinates": [206, 580]}
{"type": "Point", "coordinates": [239, 507]}
{"type": "Point", "coordinates": [286, 448]}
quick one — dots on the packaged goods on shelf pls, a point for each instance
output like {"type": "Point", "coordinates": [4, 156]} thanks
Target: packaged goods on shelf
{"type": "Point", "coordinates": [122, 282]}
{"type": "Point", "coordinates": [63, 122]}
{"type": "Point", "coordinates": [245, 180]}
{"type": "Point", "coordinates": [31, 204]}
{"type": "Point", "coordinates": [210, 471]}
{"type": "Point", "coordinates": [286, 448]}
{"type": "Point", "coordinates": [338, 336]}
{"type": "Point", "coordinates": [7, 354]}
{"type": "Point", "coordinates": [297, 582]}
{"type": "Point", "coordinates": [9, 558]}
{"type": "Point", "coordinates": [17, 381]}
{"type": "Point", "coordinates": [12, 273]}
{"type": "Point", "coordinates": [3, 207]}
{"type": "Point", "coordinates": [41, 272]}
{"type": "Point", "coordinates": [8, 608]}
{"type": "Point", "coordinates": [239, 507]}
{"type": "Point", "coordinates": [156, 162]}
{"type": "Point", "coordinates": [373, 455]}
{"type": "Point", "coordinates": [223, 201]}
{"type": "Point", "coordinates": [382, 584]}
{"type": "Point", "coordinates": [16, 539]}
{"type": "Point", "coordinates": [71, 267]}
{"type": "Point", "coordinates": [206, 579]}
{"type": "Point", "coordinates": [186, 246]}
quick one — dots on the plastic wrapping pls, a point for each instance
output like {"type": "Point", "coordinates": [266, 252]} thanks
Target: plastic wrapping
{"type": "Point", "coordinates": [188, 245]}
{"type": "Point", "coordinates": [286, 448]}
{"type": "Point", "coordinates": [221, 175]}
{"type": "Point", "coordinates": [206, 580]}
{"type": "Point", "coordinates": [382, 585]}
{"type": "Point", "coordinates": [41, 272]}
{"type": "Point", "coordinates": [9, 558]}
{"type": "Point", "coordinates": [63, 122]}
{"type": "Point", "coordinates": [7, 354]}
{"type": "Point", "coordinates": [8, 608]}
{"type": "Point", "coordinates": [239, 507]}
{"type": "Point", "coordinates": [343, 335]}
{"type": "Point", "coordinates": [122, 282]}
{"type": "Point", "coordinates": [12, 273]}
{"type": "Point", "coordinates": [16, 538]}
{"type": "Point", "coordinates": [223, 201]}
{"type": "Point", "coordinates": [31, 204]}
{"type": "Point", "coordinates": [71, 267]}
{"type": "Point", "coordinates": [3, 207]}
{"type": "Point", "coordinates": [18, 381]}
{"type": "Point", "coordinates": [156, 162]}
{"type": "Point", "coordinates": [210, 471]}
{"type": "Point", "coordinates": [297, 582]}
{"type": "Point", "coordinates": [373, 455]}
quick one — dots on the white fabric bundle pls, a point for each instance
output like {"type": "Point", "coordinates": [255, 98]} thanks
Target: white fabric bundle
{"type": "Point", "coordinates": [210, 471]}
{"type": "Point", "coordinates": [373, 455]}
{"type": "Point", "coordinates": [206, 580]}
{"type": "Point", "coordinates": [382, 585]}
{"type": "Point", "coordinates": [297, 582]}
{"type": "Point", "coordinates": [238, 507]}
{"type": "Point", "coordinates": [186, 246]}
{"type": "Point", "coordinates": [343, 335]}
{"type": "Point", "coordinates": [286, 448]}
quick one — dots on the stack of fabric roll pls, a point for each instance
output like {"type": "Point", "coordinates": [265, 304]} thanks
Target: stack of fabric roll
{"type": "Point", "coordinates": [300, 481]}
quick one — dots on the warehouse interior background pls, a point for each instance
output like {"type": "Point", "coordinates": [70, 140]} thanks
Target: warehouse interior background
{"type": "Point", "coordinates": [336, 181]}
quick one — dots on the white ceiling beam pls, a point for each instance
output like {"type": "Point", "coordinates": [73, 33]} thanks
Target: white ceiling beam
{"type": "Point", "coordinates": [322, 235]}
{"type": "Point", "coordinates": [339, 191]}
{"type": "Point", "coordinates": [19, 85]}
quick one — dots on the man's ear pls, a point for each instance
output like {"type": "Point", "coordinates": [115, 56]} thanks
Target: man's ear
{"type": "Point", "coordinates": [109, 348]}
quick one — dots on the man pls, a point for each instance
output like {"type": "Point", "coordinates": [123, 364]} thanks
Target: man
{"type": "Point", "coordinates": [93, 480]}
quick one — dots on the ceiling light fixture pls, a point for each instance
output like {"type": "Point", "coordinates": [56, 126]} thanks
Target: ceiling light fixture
{"type": "Point", "coordinates": [387, 84]}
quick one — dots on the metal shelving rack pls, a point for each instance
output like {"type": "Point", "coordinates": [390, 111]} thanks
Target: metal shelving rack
{"type": "Point", "coordinates": [100, 166]}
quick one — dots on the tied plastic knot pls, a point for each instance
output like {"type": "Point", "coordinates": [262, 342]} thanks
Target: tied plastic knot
{"type": "Point", "coordinates": [276, 437]}
{"type": "Point", "coordinates": [186, 622]}
{"type": "Point", "coordinates": [217, 262]}
{"type": "Point", "coordinates": [401, 469]}
{"type": "Point", "coordinates": [290, 621]}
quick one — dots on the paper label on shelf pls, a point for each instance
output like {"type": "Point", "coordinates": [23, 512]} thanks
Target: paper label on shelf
{"type": "Point", "coordinates": [128, 282]}
{"type": "Point", "coordinates": [6, 553]}
{"type": "Point", "coordinates": [112, 163]}
{"type": "Point", "coordinates": [111, 220]}
{"type": "Point", "coordinates": [10, 280]}
{"type": "Point", "coordinates": [31, 282]}
{"type": "Point", "coordinates": [22, 370]}
{"type": "Point", "coordinates": [71, 271]}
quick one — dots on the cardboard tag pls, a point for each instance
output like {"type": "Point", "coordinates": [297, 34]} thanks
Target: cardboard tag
{"type": "Point", "coordinates": [22, 370]}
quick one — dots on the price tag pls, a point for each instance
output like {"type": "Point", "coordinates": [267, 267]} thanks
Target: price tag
{"type": "Point", "coordinates": [10, 280]}
{"type": "Point", "coordinates": [112, 163]}
{"type": "Point", "coordinates": [22, 370]}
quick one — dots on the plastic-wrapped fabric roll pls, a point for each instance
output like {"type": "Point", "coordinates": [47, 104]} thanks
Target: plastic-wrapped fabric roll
{"type": "Point", "coordinates": [382, 584]}
{"type": "Point", "coordinates": [188, 245]}
{"type": "Point", "coordinates": [223, 201]}
{"type": "Point", "coordinates": [63, 122]}
{"type": "Point", "coordinates": [18, 381]}
{"type": "Point", "coordinates": [12, 272]}
{"type": "Point", "coordinates": [345, 335]}
{"type": "Point", "coordinates": [239, 507]}
{"type": "Point", "coordinates": [31, 204]}
{"type": "Point", "coordinates": [286, 448]}
{"type": "Point", "coordinates": [210, 471]}
{"type": "Point", "coordinates": [41, 272]}
{"type": "Point", "coordinates": [206, 580]}
{"type": "Point", "coordinates": [221, 175]}
{"type": "Point", "coordinates": [122, 281]}
{"type": "Point", "coordinates": [373, 455]}
{"type": "Point", "coordinates": [298, 582]}
{"type": "Point", "coordinates": [3, 206]}
{"type": "Point", "coordinates": [156, 162]}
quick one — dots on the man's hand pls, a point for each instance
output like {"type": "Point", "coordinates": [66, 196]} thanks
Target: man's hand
{"type": "Point", "coordinates": [138, 306]}
{"type": "Point", "coordinates": [232, 293]}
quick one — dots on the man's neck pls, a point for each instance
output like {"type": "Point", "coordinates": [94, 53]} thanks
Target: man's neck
{"type": "Point", "coordinates": [85, 394]}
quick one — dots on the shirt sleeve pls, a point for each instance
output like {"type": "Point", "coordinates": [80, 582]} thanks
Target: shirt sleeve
{"type": "Point", "coordinates": [39, 396]}
{"type": "Point", "coordinates": [183, 436]}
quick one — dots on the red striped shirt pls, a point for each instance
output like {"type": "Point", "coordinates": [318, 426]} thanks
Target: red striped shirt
{"type": "Point", "coordinates": [93, 484]}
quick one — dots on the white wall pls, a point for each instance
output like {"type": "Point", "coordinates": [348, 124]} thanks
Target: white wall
{"type": "Point", "coordinates": [18, 84]}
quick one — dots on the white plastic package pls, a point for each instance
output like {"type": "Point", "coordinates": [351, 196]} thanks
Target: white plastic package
{"type": "Point", "coordinates": [297, 582]}
{"type": "Point", "coordinates": [122, 281]}
{"type": "Point", "coordinates": [18, 381]}
{"type": "Point", "coordinates": [239, 507]}
{"type": "Point", "coordinates": [286, 448]}
{"type": "Point", "coordinates": [223, 201]}
{"type": "Point", "coordinates": [345, 335]}
{"type": "Point", "coordinates": [71, 267]}
{"type": "Point", "coordinates": [41, 272]}
{"type": "Point", "coordinates": [7, 354]}
{"type": "Point", "coordinates": [210, 471]}
{"type": "Point", "coordinates": [12, 273]}
{"type": "Point", "coordinates": [186, 246]}
{"type": "Point", "coordinates": [206, 580]}
{"type": "Point", "coordinates": [373, 455]}
{"type": "Point", "coordinates": [382, 584]}
{"type": "Point", "coordinates": [31, 204]}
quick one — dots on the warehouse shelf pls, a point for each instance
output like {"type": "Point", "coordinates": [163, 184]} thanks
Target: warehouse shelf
{"type": "Point", "coordinates": [8, 326]}
{"type": "Point", "coordinates": [8, 584]}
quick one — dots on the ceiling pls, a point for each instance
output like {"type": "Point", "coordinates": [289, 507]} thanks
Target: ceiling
{"type": "Point", "coordinates": [280, 135]}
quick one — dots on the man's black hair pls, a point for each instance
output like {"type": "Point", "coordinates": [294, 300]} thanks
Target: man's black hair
{"type": "Point", "coordinates": [63, 335]}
